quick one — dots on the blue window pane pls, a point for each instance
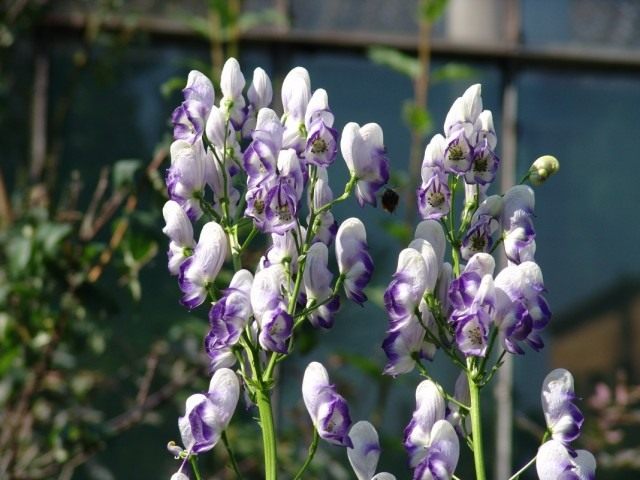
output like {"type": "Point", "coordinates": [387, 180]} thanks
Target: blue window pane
{"type": "Point", "coordinates": [587, 214]}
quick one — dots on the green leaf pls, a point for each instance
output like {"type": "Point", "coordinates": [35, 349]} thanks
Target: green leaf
{"type": "Point", "coordinates": [452, 71]}
{"type": "Point", "coordinates": [416, 117]}
{"type": "Point", "coordinates": [432, 10]}
{"type": "Point", "coordinates": [396, 60]}
{"type": "Point", "coordinates": [124, 172]}
{"type": "Point", "coordinates": [19, 253]}
{"type": "Point", "coordinates": [268, 16]}
{"type": "Point", "coordinates": [172, 85]}
{"type": "Point", "coordinates": [50, 235]}
{"type": "Point", "coordinates": [399, 230]}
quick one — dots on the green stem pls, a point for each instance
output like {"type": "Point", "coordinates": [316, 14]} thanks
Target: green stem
{"type": "Point", "coordinates": [263, 401]}
{"type": "Point", "coordinates": [194, 466]}
{"type": "Point", "coordinates": [516, 475]}
{"type": "Point", "coordinates": [310, 455]}
{"type": "Point", "coordinates": [232, 457]}
{"type": "Point", "coordinates": [476, 424]}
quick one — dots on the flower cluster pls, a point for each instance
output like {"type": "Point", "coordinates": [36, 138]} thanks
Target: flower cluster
{"type": "Point", "coordinates": [429, 302]}
{"type": "Point", "coordinates": [467, 308]}
{"type": "Point", "coordinates": [238, 169]}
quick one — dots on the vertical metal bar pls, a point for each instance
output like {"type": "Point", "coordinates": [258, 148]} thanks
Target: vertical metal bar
{"type": "Point", "coordinates": [503, 390]}
{"type": "Point", "coordinates": [39, 117]}
{"type": "Point", "coordinates": [504, 384]}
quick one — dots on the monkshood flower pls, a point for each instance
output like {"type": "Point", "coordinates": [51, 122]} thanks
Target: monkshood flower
{"type": "Point", "coordinates": [281, 207]}
{"type": "Point", "coordinates": [472, 296]}
{"type": "Point", "coordinates": [405, 292]}
{"type": "Point", "coordinates": [276, 326]}
{"type": "Point", "coordinates": [434, 196]}
{"type": "Point", "coordinates": [555, 462]}
{"type": "Point", "coordinates": [328, 410]}
{"type": "Point", "coordinates": [230, 315]}
{"type": "Point", "coordinates": [232, 102]}
{"type": "Point", "coordinates": [404, 346]}
{"type": "Point", "coordinates": [270, 308]}
{"type": "Point", "coordinates": [519, 234]}
{"type": "Point", "coordinates": [365, 155]}
{"type": "Point", "coordinates": [431, 441]}
{"type": "Point", "coordinates": [200, 270]}
{"type": "Point", "coordinates": [261, 156]}
{"type": "Point", "coordinates": [484, 162]}
{"type": "Point", "coordinates": [322, 195]}
{"type": "Point", "coordinates": [365, 452]}
{"type": "Point", "coordinates": [354, 261]}
{"type": "Point", "coordinates": [283, 249]}
{"type": "Point", "coordinates": [317, 284]}
{"type": "Point", "coordinates": [186, 176]}
{"type": "Point", "coordinates": [522, 311]}
{"type": "Point", "coordinates": [464, 112]}
{"type": "Point", "coordinates": [458, 155]}
{"type": "Point", "coordinates": [322, 140]}
{"type": "Point", "coordinates": [180, 231]}
{"type": "Point", "coordinates": [432, 232]}
{"type": "Point", "coordinates": [296, 93]}
{"type": "Point", "coordinates": [564, 419]}
{"type": "Point", "coordinates": [259, 94]}
{"type": "Point", "coordinates": [207, 415]}
{"type": "Point", "coordinates": [190, 117]}
{"type": "Point", "coordinates": [220, 355]}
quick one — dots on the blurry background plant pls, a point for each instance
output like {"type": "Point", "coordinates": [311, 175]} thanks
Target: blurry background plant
{"type": "Point", "coordinates": [66, 239]}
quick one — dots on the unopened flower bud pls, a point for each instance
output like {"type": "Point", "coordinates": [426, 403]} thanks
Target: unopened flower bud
{"type": "Point", "coordinates": [542, 168]}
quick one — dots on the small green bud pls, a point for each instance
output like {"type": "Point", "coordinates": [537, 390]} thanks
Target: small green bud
{"type": "Point", "coordinates": [542, 168]}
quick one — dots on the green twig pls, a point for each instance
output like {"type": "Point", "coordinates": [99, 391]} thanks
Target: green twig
{"type": "Point", "coordinates": [312, 451]}
{"type": "Point", "coordinates": [232, 457]}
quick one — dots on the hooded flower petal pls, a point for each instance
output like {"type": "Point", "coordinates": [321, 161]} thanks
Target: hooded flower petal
{"type": "Point", "coordinates": [365, 155]}
{"type": "Point", "coordinates": [201, 269]}
{"type": "Point", "coordinates": [328, 410]}
{"type": "Point", "coordinates": [364, 454]}
{"type": "Point", "coordinates": [207, 415]}
{"type": "Point", "coordinates": [354, 261]}
{"type": "Point", "coordinates": [180, 231]}
{"type": "Point", "coordinates": [554, 462]}
{"type": "Point", "coordinates": [563, 418]}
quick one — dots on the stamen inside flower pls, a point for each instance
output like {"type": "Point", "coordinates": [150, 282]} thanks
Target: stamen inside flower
{"type": "Point", "coordinates": [435, 198]}
{"type": "Point", "coordinates": [318, 146]}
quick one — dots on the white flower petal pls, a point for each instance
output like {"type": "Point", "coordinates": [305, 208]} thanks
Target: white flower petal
{"type": "Point", "coordinates": [365, 453]}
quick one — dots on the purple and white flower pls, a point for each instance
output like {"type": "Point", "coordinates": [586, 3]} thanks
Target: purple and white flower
{"type": "Point", "coordinates": [322, 195]}
{"type": "Point", "coordinates": [317, 284]}
{"type": "Point", "coordinates": [230, 315]}
{"type": "Point", "coordinates": [259, 94]}
{"type": "Point", "coordinates": [200, 270]}
{"type": "Point", "coordinates": [521, 309]}
{"type": "Point", "coordinates": [296, 93]}
{"type": "Point", "coordinates": [180, 231]}
{"type": "Point", "coordinates": [564, 419]}
{"type": "Point", "coordinates": [186, 176]}
{"type": "Point", "coordinates": [519, 234]}
{"type": "Point", "coordinates": [354, 261]}
{"type": "Point", "coordinates": [328, 410]}
{"type": "Point", "coordinates": [365, 155]}
{"type": "Point", "coordinates": [207, 415]}
{"type": "Point", "coordinates": [555, 462]}
{"type": "Point", "coordinates": [270, 308]}
{"type": "Point", "coordinates": [431, 441]}
{"type": "Point", "coordinates": [322, 139]}
{"type": "Point", "coordinates": [405, 292]}
{"type": "Point", "coordinates": [365, 452]}
{"type": "Point", "coordinates": [190, 117]}
{"type": "Point", "coordinates": [232, 102]}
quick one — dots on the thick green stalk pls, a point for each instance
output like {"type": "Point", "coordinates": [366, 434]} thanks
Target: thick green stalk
{"type": "Point", "coordinates": [476, 426]}
{"type": "Point", "coordinates": [263, 400]}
